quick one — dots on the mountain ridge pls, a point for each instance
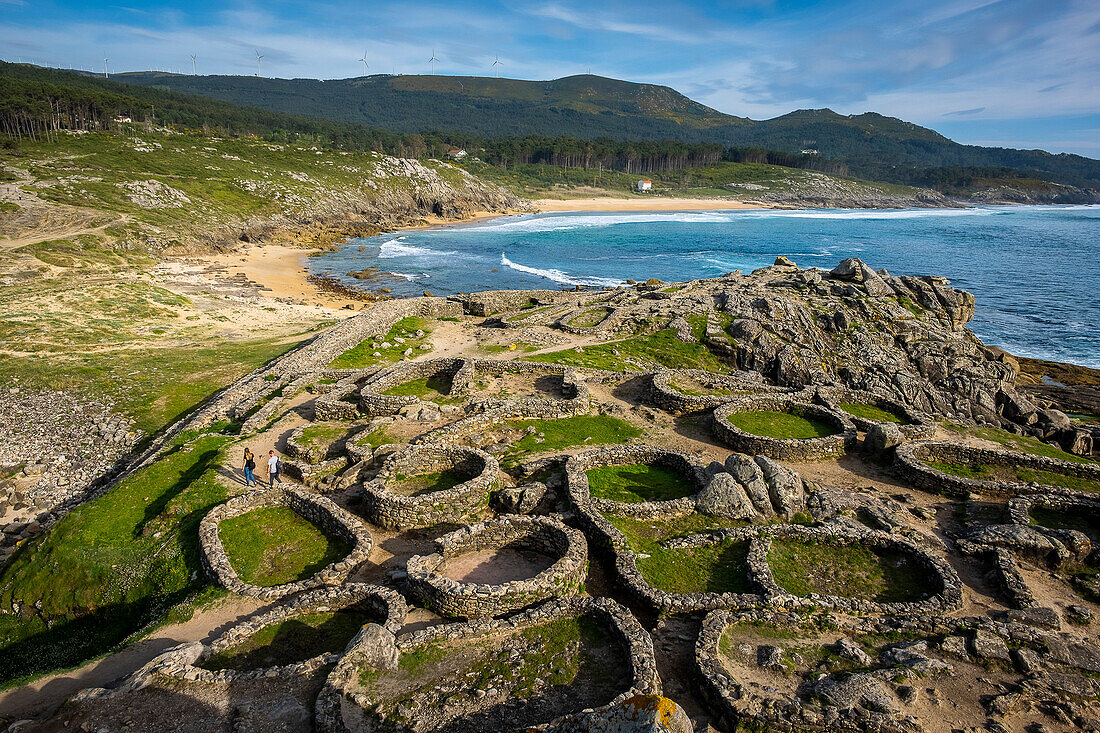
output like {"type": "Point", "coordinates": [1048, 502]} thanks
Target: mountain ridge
{"type": "Point", "coordinates": [590, 107]}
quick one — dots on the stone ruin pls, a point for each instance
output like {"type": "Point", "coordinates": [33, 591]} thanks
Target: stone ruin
{"type": "Point", "coordinates": [439, 478]}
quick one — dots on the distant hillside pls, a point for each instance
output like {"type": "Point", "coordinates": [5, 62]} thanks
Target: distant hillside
{"type": "Point", "coordinates": [588, 107]}
{"type": "Point", "coordinates": [580, 106]}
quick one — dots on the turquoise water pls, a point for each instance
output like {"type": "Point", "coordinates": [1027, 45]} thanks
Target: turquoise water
{"type": "Point", "coordinates": [1033, 269]}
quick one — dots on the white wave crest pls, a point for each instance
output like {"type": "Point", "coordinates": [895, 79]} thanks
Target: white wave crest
{"type": "Point", "coordinates": [564, 222]}
{"type": "Point", "coordinates": [393, 248]}
{"type": "Point", "coordinates": [558, 276]}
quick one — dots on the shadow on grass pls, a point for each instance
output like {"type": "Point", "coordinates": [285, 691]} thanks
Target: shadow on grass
{"type": "Point", "coordinates": [296, 641]}
{"type": "Point", "coordinates": [155, 508]}
{"type": "Point", "coordinates": [67, 644]}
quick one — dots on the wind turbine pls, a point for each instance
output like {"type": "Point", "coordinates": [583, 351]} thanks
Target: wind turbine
{"type": "Point", "coordinates": [496, 63]}
{"type": "Point", "coordinates": [194, 66]}
{"type": "Point", "coordinates": [432, 61]}
{"type": "Point", "coordinates": [105, 74]}
{"type": "Point", "coordinates": [365, 64]}
{"type": "Point", "coordinates": [258, 57]}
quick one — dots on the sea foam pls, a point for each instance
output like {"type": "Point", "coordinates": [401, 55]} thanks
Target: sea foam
{"type": "Point", "coordinates": [557, 275]}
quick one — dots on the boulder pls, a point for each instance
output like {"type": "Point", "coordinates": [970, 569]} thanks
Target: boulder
{"type": "Point", "coordinates": [849, 650]}
{"type": "Point", "coordinates": [784, 486]}
{"type": "Point", "coordinates": [882, 436]}
{"type": "Point", "coordinates": [989, 646]}
{"type": "Point", "coordinates": [860, 690]}
{"type": "Point", "coordinates": [724, 497]}
{"type": "Point", "coordinates": [750, 476]}
{"type": "Point", "coordinates": [849, 269]}
{"type": "Point", "coordinates": [782, 261]}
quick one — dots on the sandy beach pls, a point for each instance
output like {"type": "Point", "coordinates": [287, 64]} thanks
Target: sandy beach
{"type": "Point", "coordinates": [282, 271]}
{"type": "Point", "coordinates": [643, 203]}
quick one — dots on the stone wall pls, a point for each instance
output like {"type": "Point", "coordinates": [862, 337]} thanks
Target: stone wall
{"type": "Point", "coordinates": [664, 395]}
{"type": "Point", "coordinates": [576, 479]}
{"type": "Point", "coordinates": [318, 510]}
{"type": "Point", "coordinates": [374, 403]}
{"type": "Point", "coordinates": [386, 606]}
{"type": "Point", "coordinates": [911, 463]}
{"type": "Point", "coordinates": [394, 511]}
{"type": "Point", "coordinates": [917, 425]}
{"type": "Point", "coordinates": [544, 535]}
{"type": "Point", "coordinates": [339, 689]}
{"type": "Point", "coordinates": [945, 585]}
{"type": "Point", "coordinates": [809, 449]}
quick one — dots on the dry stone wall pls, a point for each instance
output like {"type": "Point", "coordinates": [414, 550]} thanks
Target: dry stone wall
{"type": "Point", "coordinates": [386, 508]}
{"type": "Point", "coordinates": [784, 449]}
{"type": "Point", "coordinates": [544, 535]}
{"type": "Point", "coordinates": [912, 464]}
{"type": "Point", "coordinates": [320, 511]}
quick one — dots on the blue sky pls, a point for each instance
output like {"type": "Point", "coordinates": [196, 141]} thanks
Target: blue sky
{"type": "Point", "coordinates": [1018, 73]}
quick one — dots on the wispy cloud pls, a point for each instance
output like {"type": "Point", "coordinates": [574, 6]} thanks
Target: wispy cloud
{"type": "Point", "coordinates": [957, 64]}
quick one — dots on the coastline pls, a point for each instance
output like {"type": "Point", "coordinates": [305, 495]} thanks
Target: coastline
{"type": "Point", "coordinates": [281, 271]}
{"type": "Point", "coordinates": [656, 203]}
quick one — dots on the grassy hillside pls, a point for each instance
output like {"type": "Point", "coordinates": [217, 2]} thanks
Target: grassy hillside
{"type": "Point", "coordinates": [85, 218]}
{"type": "Point", "coordinates": [874, 146]}
{"type": "Point", "coordinates": [754, 181]}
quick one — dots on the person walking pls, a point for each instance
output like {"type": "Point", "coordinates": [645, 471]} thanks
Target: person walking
{"type": "Point", "coordinates": [273, 468]}
{"type": "Point", "coordinates": [249, 467]}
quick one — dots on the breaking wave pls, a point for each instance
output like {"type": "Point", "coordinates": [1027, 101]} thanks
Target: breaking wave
{"type": "Point", "coordinates": [558, 276]}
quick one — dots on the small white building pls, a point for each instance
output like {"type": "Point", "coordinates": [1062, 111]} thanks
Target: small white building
{"type": "Point", "coordinates": [810, 151]}
{"type": "Point", "coordinates": [643, 185]}
{"type": "Point", "coordinates": [456, 154]}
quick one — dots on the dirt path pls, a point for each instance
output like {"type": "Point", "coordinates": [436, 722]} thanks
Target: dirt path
{"type": "Point", "coordinates": [44, 696]}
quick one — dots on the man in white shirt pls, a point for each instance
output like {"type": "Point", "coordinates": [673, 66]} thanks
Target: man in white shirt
{"type": "Point", "coordinates": [273, 468]}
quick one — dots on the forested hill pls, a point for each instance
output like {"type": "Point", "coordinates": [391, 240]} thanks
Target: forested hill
{"type": "Point", "coordinates": [579, 106]}
{"type": "Point", "coordinates": [588, 107]}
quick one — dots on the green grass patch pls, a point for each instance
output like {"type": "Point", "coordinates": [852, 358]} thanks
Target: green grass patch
{"type": "Point", "coordinates": [588, 318]}
{"type": "Point", "coordinates": [566, 432]}
{"type": "Point", "coordinates": [274, 545]}
{"type": "Point", "coordinates": [1089, 524]}
{"type": "Point", "coordinates": [561, 653]}
{"type": "Point", "coordinates": [1021, 443]}
{"type": "Point", "coordinates": [320, 434]}
{"type": "Point", "coordinates": [435, 388]}
{"type": "Point", "coordinates": [634, 484]}
{"type": "Point", "coordinates": [780, 425]}
{"type": "Point", "coordinates": [716, 569]}
{"type": "Point", "coordinates": [152, 386]}
{"type": "Point", "coordinates": [372, 438]}
{"type": "Point", "coordinates": [872, 413]}
{"type": "Point", "coordinates": [428, 483]}
{"type": "Point", "coordinates": [111, 566]}
{"type": "Point", "coordinates": [362, 354]}
{"type": "Point", "coordinates": [849, 571]}
{"type": "Point", "coordinates": [292, 640]}
{"type": "Point", "coordinates": [983, 472]}
{"type": "Point", "coordinates": [637, 353]}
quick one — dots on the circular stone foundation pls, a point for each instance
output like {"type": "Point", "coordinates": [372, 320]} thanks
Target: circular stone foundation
{"type": "Point", "coordinates": [408, 383]}
{"type": "Point", "coordinates": [956, 469]}
{"type": "Point", "coordinates": [650, 475]}
{"type": "Point", "coordinates": [236, 655]}
{"type": "Point", "coordinates": [773, 412]}
{"type": "Point", "coordinates": [318, 510]}
{"type": "Point", "coordinates": [865, 409]}
{"type": "Point", "coordinates": [560, 662]}
{"type": "Point", "coordinates": [501, 566]}
{"type": "Point", "coordinates": [680, 391]}
{"type": "Point", "coordinates": [465, 476]}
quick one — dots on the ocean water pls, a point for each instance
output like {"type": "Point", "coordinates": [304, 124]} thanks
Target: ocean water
{"type": "Point", "coordinates": [1035, 270]}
